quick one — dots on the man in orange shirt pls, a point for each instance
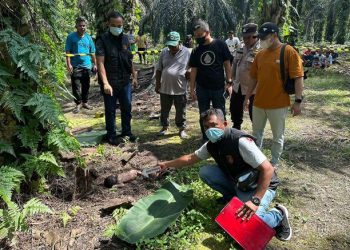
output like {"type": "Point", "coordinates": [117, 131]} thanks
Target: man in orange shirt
{"type": "Point", "coordinates": [271, 102]}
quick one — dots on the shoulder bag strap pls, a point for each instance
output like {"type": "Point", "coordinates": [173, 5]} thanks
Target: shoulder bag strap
{"type": "Point", "coordinates": [282, 69]}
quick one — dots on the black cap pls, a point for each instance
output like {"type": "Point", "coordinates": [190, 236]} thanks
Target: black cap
{"type": "Point", "coordinates": [249, 28]}
{"type": "Point", "coordinates": [266, 29]}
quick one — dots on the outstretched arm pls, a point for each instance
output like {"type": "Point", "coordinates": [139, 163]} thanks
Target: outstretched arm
{"type": "Point", "coordinates": [183, 161]}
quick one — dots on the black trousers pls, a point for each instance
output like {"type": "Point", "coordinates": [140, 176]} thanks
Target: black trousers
{"type": "Point", "coordinates": [80, 85]}
{"type": "Point", "coordinates": [236, 108]}
{"type": "Point", "coordinates": [179, 101]}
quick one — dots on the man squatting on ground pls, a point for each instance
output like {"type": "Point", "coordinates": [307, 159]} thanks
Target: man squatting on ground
{"type": "Point", "coordinates": [235, 153]}
{"type": "Point", "coordinates": [79, 67]}
{"type": "Point", "coordinates": [171, 82]}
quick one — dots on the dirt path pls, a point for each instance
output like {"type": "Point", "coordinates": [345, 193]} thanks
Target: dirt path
{"type": "Point", "coordinates": [314, 173]}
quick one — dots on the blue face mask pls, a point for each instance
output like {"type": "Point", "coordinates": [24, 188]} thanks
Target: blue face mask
{"type": "Point", "coordinates": [214, 134]}
{"type": "Point", "coordinates": [116, 31]}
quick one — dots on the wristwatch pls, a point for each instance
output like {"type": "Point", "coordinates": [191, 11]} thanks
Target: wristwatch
{"type": "Point", "coordinates": [298, 100]}
{"type": "Point", "coordinates": [255, 200]}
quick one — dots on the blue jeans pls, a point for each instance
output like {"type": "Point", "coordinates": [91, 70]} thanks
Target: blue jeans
{"type": "Point", "coordinates": [205, 96]}
{"type": "Point", "coordinates": [124, 96]}
{"type": "Point", "coordinates": [219, 181]}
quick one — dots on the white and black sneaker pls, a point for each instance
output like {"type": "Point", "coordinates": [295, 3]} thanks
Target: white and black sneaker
{"type": "Point", "coordinates": [283, 230]}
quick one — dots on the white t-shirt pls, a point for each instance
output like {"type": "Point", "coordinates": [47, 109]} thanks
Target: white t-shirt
{"type": "Point", "coordinates": [250, 153]}
{"type": "Point", "coordinates": [232, 44]}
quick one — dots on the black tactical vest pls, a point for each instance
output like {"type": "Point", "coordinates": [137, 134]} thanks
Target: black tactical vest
{"type": "Point", "coordinates": [226, 154]}
{"type": "Point", "coordinates": [118, 59]}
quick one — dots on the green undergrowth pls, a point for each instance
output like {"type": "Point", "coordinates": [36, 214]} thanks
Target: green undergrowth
{"type": "Point", "coordinates": [196, 226]}
{"type": "Point", "coordinates": [324, 122]}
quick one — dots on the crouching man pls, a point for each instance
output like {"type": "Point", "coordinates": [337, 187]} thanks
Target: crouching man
{"type": "Point", "coordinates": [237, 157]}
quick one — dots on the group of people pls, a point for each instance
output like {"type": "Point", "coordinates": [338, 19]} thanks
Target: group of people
{"type": "Point", "coordinates": [140, 43]}
{"type": "Point", "coordinates": [318, 59]}
{"type": "Point", "coordinates": [249, 76]}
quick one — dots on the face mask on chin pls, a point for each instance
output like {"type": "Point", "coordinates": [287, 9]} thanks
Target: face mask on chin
{"type": "Point", "coordinates": [116, 31]}
{"type": "Point", "coordinates": [267, 43]}
{"type": "Point", "coordinates": [214, 134]}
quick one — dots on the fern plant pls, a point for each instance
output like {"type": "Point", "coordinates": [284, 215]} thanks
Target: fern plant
{"type": "Point", "coordinates": [32, 127]}
{"type": "Point", "coordinates": [13, 218]}
{"type": "Point", "coordinates": [27, 84]}
{"type": "Point", "coordinates": [43, 164]}
{"type": "Point", "coordinates": [10, 179]}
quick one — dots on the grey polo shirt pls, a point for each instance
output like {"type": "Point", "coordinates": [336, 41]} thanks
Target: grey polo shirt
{"type": "Point", "coordinates": [173, 68]}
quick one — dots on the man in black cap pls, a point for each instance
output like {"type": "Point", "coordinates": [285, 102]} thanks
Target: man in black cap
{"type": "Point", "coordinates": [271, 101]}
{"type": "Point", "coordinates": [211, 73]}
{"type": "Point", "coordinates": [241, 74]}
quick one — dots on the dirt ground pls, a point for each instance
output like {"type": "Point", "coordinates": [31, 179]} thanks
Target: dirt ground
{"type": "Point", "coordinates": [314, 173]}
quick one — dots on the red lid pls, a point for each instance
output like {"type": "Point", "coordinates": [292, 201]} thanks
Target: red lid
{"type": "Point", "coordinates": [251, 235]}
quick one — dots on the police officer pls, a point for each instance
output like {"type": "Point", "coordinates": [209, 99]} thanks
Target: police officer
{"type": "Point", "coordinates": [240, 73]}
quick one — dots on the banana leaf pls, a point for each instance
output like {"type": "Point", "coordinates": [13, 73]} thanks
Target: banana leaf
{"type": "Point", "coordinates": [152, 215]}
{"type": "Point", "coordinates": [91, 138]}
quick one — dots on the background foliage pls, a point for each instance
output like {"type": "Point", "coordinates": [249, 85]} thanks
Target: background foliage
{"type": "Point", "coordinates": [32, 70]}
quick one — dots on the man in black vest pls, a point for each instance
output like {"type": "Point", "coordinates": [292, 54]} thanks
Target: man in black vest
{"type": "Point", "coordinates": [114, 61]}
{"type": "Point", "coordinates": [241, 170]}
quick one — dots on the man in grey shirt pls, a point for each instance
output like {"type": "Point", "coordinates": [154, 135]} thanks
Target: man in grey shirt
{"type": "Point", "coordinates": [171, 82]}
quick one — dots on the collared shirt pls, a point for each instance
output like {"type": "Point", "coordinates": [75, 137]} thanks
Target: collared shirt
{"type": "Point", "coordinates": [173, 68]}
{"type": "Point", "coordinates": [80, 45]}
{"type": "Point", "coordinates": [242, 63]}
{"type": "Point", "coordinates": [250, 153]}
{"type": "Point", "coordinates": [118, 58]}
{"type": "Point", "coordinates": [233, 44]}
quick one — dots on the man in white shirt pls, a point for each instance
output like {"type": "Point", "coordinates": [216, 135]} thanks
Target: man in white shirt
{"type": "Point", "coordinates": [236, 156]}
{"type": "Point", "coordinates": [233, 43]}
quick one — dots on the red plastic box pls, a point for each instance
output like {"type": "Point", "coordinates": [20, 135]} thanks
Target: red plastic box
{"type": "Point", "coordinates": [251, 235]}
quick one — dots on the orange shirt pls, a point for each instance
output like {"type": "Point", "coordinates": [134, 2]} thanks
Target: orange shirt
{"type": "Point", "coordinates": [266, 70]}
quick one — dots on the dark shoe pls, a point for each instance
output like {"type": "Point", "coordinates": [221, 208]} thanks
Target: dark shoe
{"type": "Point", "coordinates": [113, 141]}
{"type": "Point", "coordinates": [164, 131]}
{"type": "Point", "coordinates": [183, 134]}
{"type": "Point", "coordinates": [283, 230]}
{"type": "Point", "coordinates": [87, 106]}
{"type": "Point", "coordinates": [133, 138]}
{"type": "Point", "coordinates": [76, 110]}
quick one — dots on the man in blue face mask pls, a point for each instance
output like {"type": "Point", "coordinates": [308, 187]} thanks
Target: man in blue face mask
{"type": "Point", "coordinates": [241, 170]}
{"type": "Point", "coordinates": [115, 66]}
